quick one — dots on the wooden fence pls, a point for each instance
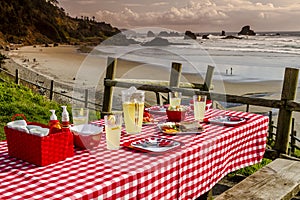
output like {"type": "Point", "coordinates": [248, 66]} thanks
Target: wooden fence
{"type": "Point", "coordinates": [286, 105]}
{"type": "Point", "coordinates": [51, 92]}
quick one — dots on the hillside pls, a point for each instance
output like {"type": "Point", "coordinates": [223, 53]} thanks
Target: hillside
{"type": "Point", "coordinates": [43, 21]}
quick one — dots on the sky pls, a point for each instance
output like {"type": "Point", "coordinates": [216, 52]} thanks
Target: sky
{"type": "Point", "coordinates": [194, 15]}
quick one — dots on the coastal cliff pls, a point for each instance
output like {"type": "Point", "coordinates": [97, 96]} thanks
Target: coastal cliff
{"type": "Point", "coordinates": [30, 22]}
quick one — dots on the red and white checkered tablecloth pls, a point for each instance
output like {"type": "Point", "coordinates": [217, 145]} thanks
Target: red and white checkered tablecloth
{"type": "Point", "coordinates": [185, 173]}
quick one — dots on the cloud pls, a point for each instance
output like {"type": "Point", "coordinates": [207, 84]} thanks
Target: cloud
{"type": "Point", "coordinates": [206, 13]}
{"type": "Point", "coordinates": [193, 13]}
{"type": "Point", "coordinates": [133, 5]}
{"type": "Point", "coordinates": [162, 3]}
{"type": "Point", "coordinates": [85, 2]}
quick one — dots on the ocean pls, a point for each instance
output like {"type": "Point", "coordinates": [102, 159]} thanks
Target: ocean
{"type": "Point", "coordinates": [251, 58]}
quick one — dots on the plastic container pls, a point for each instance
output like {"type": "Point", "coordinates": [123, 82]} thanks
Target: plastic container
{"type": "Point", "coordinates": [65, 117]}
{"type": "Point", "coordinates": [54, 124]}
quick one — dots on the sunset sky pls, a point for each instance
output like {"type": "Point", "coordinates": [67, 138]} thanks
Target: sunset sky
{"type": "Point", "coordinates": [194, 15]}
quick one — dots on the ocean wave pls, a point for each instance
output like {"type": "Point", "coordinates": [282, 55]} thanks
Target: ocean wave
{"type": "Point", "coordinates": [264, 53]}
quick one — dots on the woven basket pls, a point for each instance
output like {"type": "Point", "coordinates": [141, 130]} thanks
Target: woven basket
{"type": "Point", "coordinates": [37, 150]}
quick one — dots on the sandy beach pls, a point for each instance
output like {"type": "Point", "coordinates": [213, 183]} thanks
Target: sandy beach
{"type": "Point", "coordinates": [65, 62]}
{"type": "Point", "coordinates": [67, 65]}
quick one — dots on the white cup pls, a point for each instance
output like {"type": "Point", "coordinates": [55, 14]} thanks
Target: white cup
{"type": "Point", "coordinates": [113, 127]}
{"type": "Point", "coordinates": [175, 99]}
{"type": "Point", "coordinates": [80, 116]}
{"type": "Point", "coordinates": [199, 106]}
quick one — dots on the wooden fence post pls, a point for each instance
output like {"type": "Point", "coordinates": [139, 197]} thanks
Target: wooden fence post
{"type": "Point", "coordinates": [289, 88]}
{"type": "Point", "coordinates": [270, 134]}
{"type": "Point", "coordinates": [86, 98]}
{"type": "Point", "coordinates": [51, 90]}
{"type": "Point", "coordinates": [208, 78]}
{"type": "Point", "coordinates": [17, 77]}
{"type": "Point", "coordinates": [108, 90]}
{"type": "Point", "coordinates": [175, 74]}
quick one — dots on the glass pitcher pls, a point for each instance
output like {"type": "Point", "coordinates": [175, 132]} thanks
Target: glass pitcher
{"type": "Point", "coordinates": [133, 109]}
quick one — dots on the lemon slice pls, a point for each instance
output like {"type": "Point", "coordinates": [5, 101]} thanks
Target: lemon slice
{"type": "Point", "coordinates": [111, 119]}
{"type": "Point", "coordinates": [116, 128]}
{"type": "Point", "coordinates": [81, 111]}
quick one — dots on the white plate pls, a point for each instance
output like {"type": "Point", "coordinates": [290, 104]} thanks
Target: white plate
{"type": "Point", "coordinates": [175, 127]}
{"type": "Point", "coordinates": [155, 144]}
{"type": "Point", "coordinates": [156, 110]}
{"type": "Point", "coordinates": [227, 120]}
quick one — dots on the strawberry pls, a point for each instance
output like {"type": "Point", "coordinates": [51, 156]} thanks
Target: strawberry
{"type": "Point", "coordinates": [146, 119]}
{"type": "Point", "coordinates": [147, 114]}
{"type": "Point", "coordinates": [234, 119]}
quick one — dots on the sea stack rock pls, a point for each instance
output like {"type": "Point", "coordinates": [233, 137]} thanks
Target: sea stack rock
{"type": "Point", "coordinates": [157, 42]}
{"type": "Point", "coordinates": [190, 35]}
{"type": "Point", "coordinates": [150, 34]}
{"type": "Point", "coordinates": [246, 31]}
{"type": "Point", "coordinates": [119, 40]}
{"type": "Point", "coordinates": [223, 33]}
{"type": "Point", "coordinates": [205, 37]}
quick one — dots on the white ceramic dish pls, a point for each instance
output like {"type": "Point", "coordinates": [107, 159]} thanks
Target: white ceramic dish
{"type": "Point", "coordinates": [86, 129]}
{"type": "Point", "coordinates": [173, 128]}
{"type": "Point", "coordinates": [157, 110]}
{"type": "Point", "coordinates": [227, 120]}
{"type": "Point", "coordinates": [155, 144]}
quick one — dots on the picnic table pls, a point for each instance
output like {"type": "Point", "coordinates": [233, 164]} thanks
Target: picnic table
{"type": "Point", "coordinates": [185, 172]}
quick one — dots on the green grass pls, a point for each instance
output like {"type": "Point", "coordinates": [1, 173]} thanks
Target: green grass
{"type": "Point", "coordinates": [250, 169]}
{"type": "Point", "coordinates": [15, 99]}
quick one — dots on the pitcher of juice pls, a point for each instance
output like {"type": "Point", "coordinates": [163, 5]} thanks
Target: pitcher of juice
{"type": "Point", "coordinates": [133, 109]}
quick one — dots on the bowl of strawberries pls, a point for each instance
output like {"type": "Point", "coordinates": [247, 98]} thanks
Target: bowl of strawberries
{"type": "Point", "coordinates": [176, 113]}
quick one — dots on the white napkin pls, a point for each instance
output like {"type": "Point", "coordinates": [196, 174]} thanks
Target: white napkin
{"type": "Point", "coordinates": [18, 125]}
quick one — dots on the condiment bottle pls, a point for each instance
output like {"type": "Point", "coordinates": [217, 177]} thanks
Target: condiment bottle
{"type": "Point", "coordinates": [54, 123]}
{"type": "Point", "coordinates": [65, 117]}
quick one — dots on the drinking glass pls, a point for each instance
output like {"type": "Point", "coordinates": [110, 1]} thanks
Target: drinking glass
{"type": "Point", "coordinates": [113, 127]}
{"type": "Point", "coordinates": [133, 109]}
{"type": "Point", "coordinates": [199, 106]}
{"type": "Point", "coordinates": [80, 116]}
{"type": "Point", "coordinates": [175, 99]}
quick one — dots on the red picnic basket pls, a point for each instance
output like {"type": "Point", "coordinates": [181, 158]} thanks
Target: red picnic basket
{"type": "Point", "coordinates": [38, 150]}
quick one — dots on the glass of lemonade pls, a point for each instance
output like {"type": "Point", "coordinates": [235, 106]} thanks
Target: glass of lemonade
{"type": "Point", "coordinates": [113, 127]}
{"type": "Point", "coordinates": [175, 99]}
{"type": "Point", "coordinates": [80, 116]}
{"type": "Point", "coordinates": [133, 109]}
{"type": "Point", "coordinates": [199, 106]}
